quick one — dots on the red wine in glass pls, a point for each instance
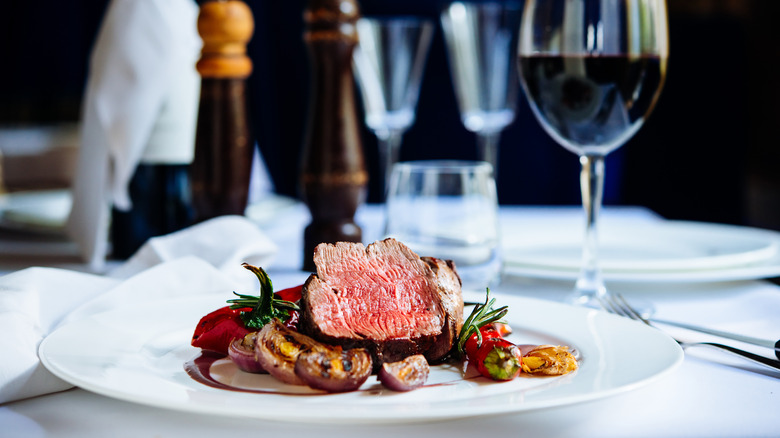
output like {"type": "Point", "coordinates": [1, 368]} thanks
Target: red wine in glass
{"type": "Point", "coordinates": [592, 104]}
{"type": "Point", "coordinates": [592, 71]}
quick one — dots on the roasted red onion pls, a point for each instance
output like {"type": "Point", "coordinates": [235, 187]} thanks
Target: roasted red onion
{"type": "Point", "coordinates": [277, 349]}
{"type": "Point", "coordinates": [242, 352]}
{"type": "Point", "coordinates": [334, 370]}
{"type": "Point", "coordinates": [406, 374]}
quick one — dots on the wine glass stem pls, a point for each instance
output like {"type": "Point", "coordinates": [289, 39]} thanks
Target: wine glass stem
{"type": "Point", "coordinates": [590, 285]}
{"type": "Point", "coordinates": [488, 148]}
{"type": "Point", "coordinates": [389, 150]}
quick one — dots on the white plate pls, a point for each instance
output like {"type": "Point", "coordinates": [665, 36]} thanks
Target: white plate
{"type": "Point", "coordinates": [138, 354]}
{"type": "Point", "coordinates": [654, 251]}
{"type": "Point", "coordinates": [269, 207]}
{"type": "Point", "coordinates": [41, 211]}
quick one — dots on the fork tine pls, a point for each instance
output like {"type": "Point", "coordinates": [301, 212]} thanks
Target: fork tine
{"type": "Point", "coordinates": [633, 313]}
{"type": "Point", "coordinates": [618, 301]}
{"type": "Point", "coordinates": [605, 304]}
{"type": "Point", "coordinates": [612, 306]}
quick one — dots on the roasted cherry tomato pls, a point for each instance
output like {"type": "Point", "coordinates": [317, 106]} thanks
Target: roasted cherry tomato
{"type": "Point", "coordinates": [472, 344]}
{"type": "Point", "coordinates": [503, 329]}
{"type": "Point", "coordinates": [499, 359]}
{"type": "Point", "coordinates": [495, 357]}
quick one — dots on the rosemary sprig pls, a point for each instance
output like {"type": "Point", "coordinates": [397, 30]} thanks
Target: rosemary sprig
{"type": "Point", "coordinates": [481, 315]}
{"type": "Point", "coordinates": [265, 307]}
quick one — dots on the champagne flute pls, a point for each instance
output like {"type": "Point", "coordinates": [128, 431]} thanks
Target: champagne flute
{"type": "Point", "coordinates": [389, 61]}
{"type": "Point", "coordinates": [592, 71]}
{"type": "Point", "coordinates": [481, 40]}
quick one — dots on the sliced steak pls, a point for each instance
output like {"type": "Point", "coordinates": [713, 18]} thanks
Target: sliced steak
{"type": "Point", "coordinates": [449, 289]}
{"type": "Point", "coordinates": [384, 298]}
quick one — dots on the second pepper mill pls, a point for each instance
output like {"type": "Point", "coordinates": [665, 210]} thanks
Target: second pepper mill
{"type": "Point", "coordinates": [224, 150]}
{"type": "Point", "coordinates": [333, 173]}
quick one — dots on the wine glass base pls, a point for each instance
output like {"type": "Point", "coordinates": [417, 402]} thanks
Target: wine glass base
{"type": "Point", "coordinates": [589, 300]}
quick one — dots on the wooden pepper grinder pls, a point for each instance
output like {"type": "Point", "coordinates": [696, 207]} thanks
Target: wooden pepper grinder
{"type": "Point", "coordinates": [223, 148]}
{"type": "Point", "coordinates": [333, 172]}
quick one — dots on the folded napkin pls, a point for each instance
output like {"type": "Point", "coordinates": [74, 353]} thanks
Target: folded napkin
{"type": "Point", "coordinates": [203, 259]}
{"type": "Point", "coordinates": [140, 103]}
{"type": "Point", "coordinates": [32, 303]}
{"type": "Point", "coordinates": [225, 242]}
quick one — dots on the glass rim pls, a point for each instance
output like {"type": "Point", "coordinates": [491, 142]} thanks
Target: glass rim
{"type": "Point", "coordinates": [511, 5]}
{"type": "Point", "coordinates": [398, 20]}
{"type": "Point", "coordinates": [443, 166]}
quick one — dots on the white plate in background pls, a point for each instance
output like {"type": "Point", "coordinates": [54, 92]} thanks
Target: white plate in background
{"type": "Point", "coordinates": [648, 251]}
{"type": "Point", "coordinates": [48, 210]}
{"type": "Point", "coordinates": [44, 211]}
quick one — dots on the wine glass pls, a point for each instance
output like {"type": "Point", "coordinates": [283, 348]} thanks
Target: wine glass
{"type": "Point", "coordinates": [389, 61]}
{"type": "Point", "coordinates": [592, 71]}
{"type": "Point", "coordinates": [481, 40]}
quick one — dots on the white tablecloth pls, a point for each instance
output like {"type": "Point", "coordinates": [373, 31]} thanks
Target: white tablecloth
{"type": "Point", "coordinates": [709, 395]}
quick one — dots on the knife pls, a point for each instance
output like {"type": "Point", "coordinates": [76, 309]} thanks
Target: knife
{"type": "Point", "coordinates": [775, 345]}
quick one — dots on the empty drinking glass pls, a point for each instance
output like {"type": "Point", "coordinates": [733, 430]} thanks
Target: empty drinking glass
{"type": "Point", "coordinates": [448, 210]}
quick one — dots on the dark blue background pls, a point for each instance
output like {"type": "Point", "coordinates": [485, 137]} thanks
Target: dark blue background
{"type": "Point", "coordinates": [708, 152]}
{"type": "Point", "coordinates": [532, 170]}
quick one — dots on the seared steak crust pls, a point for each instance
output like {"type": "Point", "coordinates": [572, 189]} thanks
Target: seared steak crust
{"type": "Point", "coordinates": [449, 289]}
{"type": "Point", "coordinates": [384, 298]}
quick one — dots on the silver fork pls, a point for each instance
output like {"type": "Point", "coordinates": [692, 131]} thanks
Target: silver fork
{"type": "Point", "coordinates": [615, 303]}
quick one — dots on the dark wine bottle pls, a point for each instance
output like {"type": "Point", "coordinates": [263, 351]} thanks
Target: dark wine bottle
{"type": "Point", "coordinates": [161, 204]}
{"type": "Point", "coordinates": [159, 189]}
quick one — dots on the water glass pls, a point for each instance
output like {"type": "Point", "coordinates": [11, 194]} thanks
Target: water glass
{"type": "Point", "coordinates": [448, 210]}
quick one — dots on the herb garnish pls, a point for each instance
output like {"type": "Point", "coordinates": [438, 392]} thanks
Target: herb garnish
{"type": "Point", "coordinates": [264, 307]}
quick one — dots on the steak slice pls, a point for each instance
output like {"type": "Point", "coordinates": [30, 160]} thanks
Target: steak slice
{"type": "Point", "coordinates": [384, 298]}
{"type": "Point", "coordinates": [449, 289]}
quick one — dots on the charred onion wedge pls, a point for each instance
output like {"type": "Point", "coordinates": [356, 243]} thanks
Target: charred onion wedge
{"type": "Point", "coordinates": [242, 352]}
{"type": "Point", "coordinates": [277, 349]}
{"type": "Point", "coordinates": [405, 375]}
{"type": "Point", "coordinates": [334, 370]}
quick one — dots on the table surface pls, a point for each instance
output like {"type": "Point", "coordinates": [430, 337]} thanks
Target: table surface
{"type": "Point", "coordinates": [709, 395]}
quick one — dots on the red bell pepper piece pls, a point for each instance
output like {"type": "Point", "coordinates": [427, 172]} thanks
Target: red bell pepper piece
{"type": "Point", "coordinates": [216, 330]}
{"type": "Point", "coordinates": [292, 294]}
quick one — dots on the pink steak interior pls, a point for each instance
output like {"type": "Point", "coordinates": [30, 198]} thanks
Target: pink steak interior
{"type": "Point", "coordinates": [381, 292]}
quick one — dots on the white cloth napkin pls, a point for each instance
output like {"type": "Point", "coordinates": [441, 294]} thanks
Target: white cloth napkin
{"type": "Point", "coordinates": [224, 242]}
{"type": "Point", "coordinates": [32, 303]}
{"type": "Point", "coordinates": [202, 259]}
{"type": "Point", "coordinates": [142, 89]}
